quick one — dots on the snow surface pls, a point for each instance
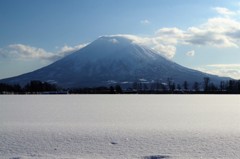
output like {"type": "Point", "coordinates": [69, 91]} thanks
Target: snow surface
{"type": "Point", "coordinates": [119, 127]}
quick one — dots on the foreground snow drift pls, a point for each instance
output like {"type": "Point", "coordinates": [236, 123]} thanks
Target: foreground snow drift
{"type": "Point", "coordinates": [143, 127]}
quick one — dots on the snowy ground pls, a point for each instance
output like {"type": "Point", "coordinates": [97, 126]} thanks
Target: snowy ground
{"type": "Point", "coordinates": [119, 127]}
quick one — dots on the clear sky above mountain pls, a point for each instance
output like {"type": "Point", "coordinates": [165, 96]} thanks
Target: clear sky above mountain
{"type": "Point", "coordinates": [203, 35]}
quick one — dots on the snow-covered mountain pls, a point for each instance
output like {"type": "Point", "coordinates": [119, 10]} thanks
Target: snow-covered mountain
{"type": "Point", "coordinates": [110, 60]}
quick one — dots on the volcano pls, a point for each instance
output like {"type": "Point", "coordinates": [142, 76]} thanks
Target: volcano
{"type": "Point", "coordinates": [112, 60]}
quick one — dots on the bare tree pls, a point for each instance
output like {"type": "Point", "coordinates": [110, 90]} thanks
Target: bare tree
{"type": "Point", "coordinates": [206, 83]}
{"type": "Point", "coordinates": [222, 86]}
{"type": "Point", "coordinates": [185, 85]}
{"type": "Point", "coordinates": [196, 86]}
{"type": "Point", "coordinates": [179, 87]}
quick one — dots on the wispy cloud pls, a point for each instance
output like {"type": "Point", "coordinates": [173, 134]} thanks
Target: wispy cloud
{"type": "Point", "coordinates": [169, 35]}
{"type": "Point", "coordinates": [25, 51]}
{"type": "Point", "coordinates": [224, 70]}
{"type": "Point", "coordinates": [66, 50]}
{"type": "Point", "coordinates": [114, 41]}
{"type": "Point", "coordinates": [224, 11]}
{"type": "Point", "coordinates": [235, 66]}
{"type": "Point", "coordinates": [21, 52]}
{"type": "Point", "coordinates": [145, 21]}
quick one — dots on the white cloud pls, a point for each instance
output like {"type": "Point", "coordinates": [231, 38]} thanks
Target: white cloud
{"type": "Point", "coordinates": [3, 53]}
{"type": "Point", "coordinates": [173, 32]}
{"type": "Point", "coordinates": [21, 51]}
{"type": "Point", "coordinates": [224, 70]}
{"type": "Point", "coordinates": [145, 21]}
{"type": "Point", "coordinates": [114, 41]}
{"type": "Point", "coordinates": [162, 47]}
{"type": "Point", "coordinates": [217, 32]}
{"type": "Point", "coordinates": [169, 35]}
{"type": "Point", "coordinates": [166, 50]}
{"type": "Point", "coordinates": [66, 50]}
{"type": "Point", "coordinates": [190, 53]}
{"type": "Point", "coordinates": [221, 32]}
{"type": "Point", "coordinates": [25, 51]}
{"type": "Point", "coordinates": [224, 11]}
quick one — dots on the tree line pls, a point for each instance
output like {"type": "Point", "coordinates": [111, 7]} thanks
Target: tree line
{"type": "Point", "coordinates": [32, 87]}
{"type": "Point", "coordinates": [137, 87]}
{"type": "Point", "coordinates": [204, 87]}
{"type": "Point", "coordinates": [39, 87]}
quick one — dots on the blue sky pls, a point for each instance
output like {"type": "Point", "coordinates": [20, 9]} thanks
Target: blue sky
{"type": "Point", "coordinates": [203, 35]}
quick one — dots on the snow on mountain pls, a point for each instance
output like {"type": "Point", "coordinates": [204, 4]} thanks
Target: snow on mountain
{"type": "Point", "coordinates": [112, 59]}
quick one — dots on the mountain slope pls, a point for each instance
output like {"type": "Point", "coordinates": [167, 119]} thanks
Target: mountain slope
{"type": "Point", "coordinates": [108, 60]}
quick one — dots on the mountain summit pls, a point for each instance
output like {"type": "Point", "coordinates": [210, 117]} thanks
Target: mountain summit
{"type": "Point", "coordinates": [110, 60]}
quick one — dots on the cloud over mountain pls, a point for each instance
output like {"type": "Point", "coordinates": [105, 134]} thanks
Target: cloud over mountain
{"type": "Point", "coordinates": [105, 62]}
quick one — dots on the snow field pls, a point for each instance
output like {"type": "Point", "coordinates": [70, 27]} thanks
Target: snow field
{"type": "Point", "coordinates": [119, 127]}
